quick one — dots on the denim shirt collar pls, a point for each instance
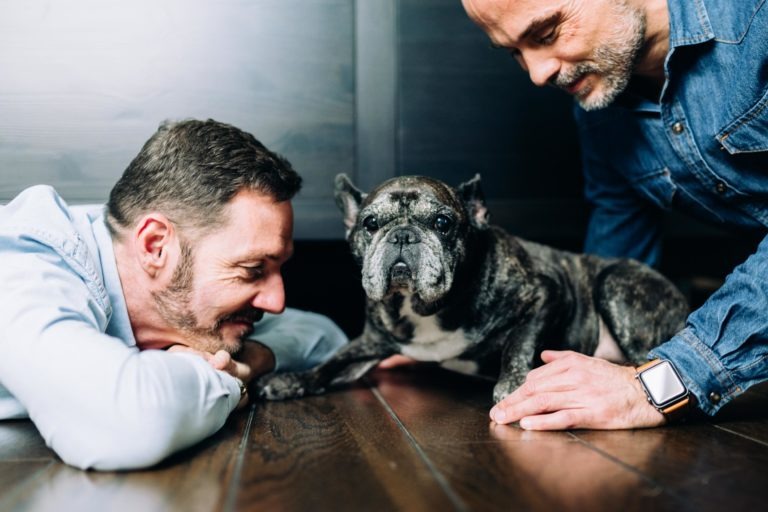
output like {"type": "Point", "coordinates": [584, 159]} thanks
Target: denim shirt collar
{"type": "Point", "coordinates": [688, 23]}
{"type": "Point", "coordinates": [120, 324]}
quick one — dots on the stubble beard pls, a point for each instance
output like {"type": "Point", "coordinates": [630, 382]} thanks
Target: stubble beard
{"type": "Point", "coordinates": [174, 307]}
{"type": "Point", "coordinates": [612, 62]}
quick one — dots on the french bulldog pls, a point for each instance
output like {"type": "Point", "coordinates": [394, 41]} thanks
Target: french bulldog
{"type": "Point", "coordinates": [444, 285]}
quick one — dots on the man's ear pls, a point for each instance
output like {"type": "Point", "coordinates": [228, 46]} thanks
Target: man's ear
{"type": "Point", "coordinates": [153, 238]}
{"type": "Point", "coordinates": [348, 198]}
{"type": "Point", "coordinates": [472, 195]}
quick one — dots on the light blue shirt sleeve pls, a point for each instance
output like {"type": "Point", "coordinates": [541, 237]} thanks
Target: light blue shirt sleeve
{"type": "Point", "coordinates": [298, 339]}
{"type": "Point", "coordinates": [97, 402]}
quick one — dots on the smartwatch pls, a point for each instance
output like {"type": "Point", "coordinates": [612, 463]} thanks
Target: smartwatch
{"type": "Point", "coordinates": [663, 386]}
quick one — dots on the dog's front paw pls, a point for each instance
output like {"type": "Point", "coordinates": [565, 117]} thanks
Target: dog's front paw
{"type": "Point", "coordinates": [281, 386]}
{"type": "Point", "coordinates": [502, 389]}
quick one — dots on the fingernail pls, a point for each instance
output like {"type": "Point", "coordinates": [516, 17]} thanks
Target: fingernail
{"type": "Point", "coordinates": [499, 415]}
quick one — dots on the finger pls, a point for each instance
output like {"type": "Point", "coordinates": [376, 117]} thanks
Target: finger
{"type": "Point", "coordinates": [396, 360]}
{"type": "Point", "coordinates": [559, 420]}
{"type": "Point", "coordinates": [553, 355]}
{"type": "Point", "coordinates": [221, 360]}
{"type": "Point", "coordinates": [241, 370]}
{"type": "Point", "coordinates": [541, 403]}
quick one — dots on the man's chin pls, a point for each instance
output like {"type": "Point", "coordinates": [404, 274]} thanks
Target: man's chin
{"type": "Point", "coordinates": [233, 333]}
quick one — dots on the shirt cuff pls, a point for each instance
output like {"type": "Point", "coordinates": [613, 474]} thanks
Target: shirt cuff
{"type": "Point", "coordinates": [701, 370]}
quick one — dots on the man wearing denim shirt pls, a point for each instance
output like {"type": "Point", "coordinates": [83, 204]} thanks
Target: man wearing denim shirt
{"type": "Point", "coordinates": [673, 114]}
{"type": "Point", "coordinates": [130, 332]}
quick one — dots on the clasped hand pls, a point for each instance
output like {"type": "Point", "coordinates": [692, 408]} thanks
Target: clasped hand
{"type": "Point", "coordinates": [253, 360]}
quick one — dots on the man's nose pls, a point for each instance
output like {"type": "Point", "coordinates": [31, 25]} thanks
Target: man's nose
{"type": "Point", "coordinates": [541, 68]}
{"type": "Point", "coordinates": [271, 296]}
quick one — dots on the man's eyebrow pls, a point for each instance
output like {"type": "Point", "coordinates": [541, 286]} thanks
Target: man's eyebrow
{"type": "Point", "coordinates": [539, 23]}
{"type": "Point", "coordinates": [534, 26]}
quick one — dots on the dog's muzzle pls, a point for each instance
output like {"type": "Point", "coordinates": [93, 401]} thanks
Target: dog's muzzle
{"type": "Point", "coordinates": [403, 239]}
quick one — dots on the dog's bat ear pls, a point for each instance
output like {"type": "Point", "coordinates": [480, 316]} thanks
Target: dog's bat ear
{"type": "Point", "coordinates": [348, 198]}
{"type": "Point", "coordinates": [472, 195]}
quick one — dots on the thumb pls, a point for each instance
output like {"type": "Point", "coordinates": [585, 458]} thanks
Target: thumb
{"type": "Point", "coordinates": [553, 355]}
{"type": "Point", "coordinates": [221, 360]}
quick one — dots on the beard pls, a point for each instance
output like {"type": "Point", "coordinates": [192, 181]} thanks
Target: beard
{"type": "Point", "coordinates": [174, 307]}
{"type": "Point", "coordinates": [614, 61]}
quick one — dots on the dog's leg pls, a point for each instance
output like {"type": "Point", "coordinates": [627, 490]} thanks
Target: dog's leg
{"type": "Point", "coordinates": [639, 306]}
{"type": "Point", "coordinates": [517, 359]}
{"type": "Point", "coordinates": [348, 364]}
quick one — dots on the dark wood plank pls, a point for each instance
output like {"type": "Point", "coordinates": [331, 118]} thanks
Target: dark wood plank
{"type": "Point", "coordinates": [196, 479]}
{"type": "Point", "coordinates": [340, 451]}
{"type": "Point", "coordinates": [494, 467]}
{"type": "Point", "coordinates": [747, 415]}
{"type": "Point", "coordinates": [705, 467]}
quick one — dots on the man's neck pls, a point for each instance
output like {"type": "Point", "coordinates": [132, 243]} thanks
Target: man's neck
{"type": "Point", "coordinates": [142, 310]}
{"type": "Point", "coordinates": [651, 62]}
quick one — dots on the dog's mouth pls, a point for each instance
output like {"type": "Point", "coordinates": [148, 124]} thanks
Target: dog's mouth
{"type": "Point", "coordinates": [400, 273]}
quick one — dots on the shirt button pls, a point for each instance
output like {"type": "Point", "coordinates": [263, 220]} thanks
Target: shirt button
{"type": "Point", "coordinates": [714, 397]}
{"type": "Point", "coordinates": [678, 128]}
{"type": "Point", "coordinates": [720, 187]}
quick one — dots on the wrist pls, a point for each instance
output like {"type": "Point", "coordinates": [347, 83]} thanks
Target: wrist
{"type": "Point", "coordinates": [243, 393]}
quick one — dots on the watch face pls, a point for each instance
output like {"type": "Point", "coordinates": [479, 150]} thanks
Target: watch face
{"type": "Point", "coordinates": [663, 384]}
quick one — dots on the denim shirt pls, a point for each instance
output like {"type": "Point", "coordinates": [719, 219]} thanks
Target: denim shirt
{"type": "Point", "coordinates": [69, 360]}
{"type": "Point", "coordinates": [701, 148]}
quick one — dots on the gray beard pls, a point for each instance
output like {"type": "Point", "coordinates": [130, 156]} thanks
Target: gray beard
{"type": "Point", "coordinates": [613, 62]}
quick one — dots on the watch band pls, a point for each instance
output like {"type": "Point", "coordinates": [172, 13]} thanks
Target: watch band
{"type": "Point", "coordinates": [673, 410]}
{"type": "Point", "coordinates": [243, 388]}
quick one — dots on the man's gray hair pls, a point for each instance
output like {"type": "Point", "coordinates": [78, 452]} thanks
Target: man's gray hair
{"type": "Point", "coordinates": [190, 170]}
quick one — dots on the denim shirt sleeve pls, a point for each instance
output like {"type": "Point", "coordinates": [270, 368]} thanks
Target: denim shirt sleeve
{"type": "Point", "coordinates": [622, 224]}
{"type": "Point", "coordinates": [298, 339]}
{"type": "Point", "coordinates": [723, 349]}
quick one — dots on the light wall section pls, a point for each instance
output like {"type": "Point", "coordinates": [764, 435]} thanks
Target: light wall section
{"type": "Point", "coordinates": [84, 83]}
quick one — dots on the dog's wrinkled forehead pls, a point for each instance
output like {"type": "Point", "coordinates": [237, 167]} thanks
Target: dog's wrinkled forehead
{"type": "Point", "coordinates": [416, 195]}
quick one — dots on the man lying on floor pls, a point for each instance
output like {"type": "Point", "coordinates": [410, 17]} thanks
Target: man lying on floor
{"type": "Point", "coordinates": [131, 331]}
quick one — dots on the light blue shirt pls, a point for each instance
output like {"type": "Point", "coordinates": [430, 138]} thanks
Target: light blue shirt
{"type": "Point", "coordinates": [68, 358]}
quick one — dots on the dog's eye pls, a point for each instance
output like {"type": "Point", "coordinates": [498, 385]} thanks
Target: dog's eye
{"type": "Point", "coordinates": [443, 223]}
{"type": "Point", "coordinates": [370, 224]}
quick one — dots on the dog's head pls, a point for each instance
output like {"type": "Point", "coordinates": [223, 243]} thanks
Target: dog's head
{"type": "Point", "coordinates": [410, 234]}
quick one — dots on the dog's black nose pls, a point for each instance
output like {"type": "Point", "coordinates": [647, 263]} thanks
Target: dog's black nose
{"type": "Point", "coordinates": [403, 236]}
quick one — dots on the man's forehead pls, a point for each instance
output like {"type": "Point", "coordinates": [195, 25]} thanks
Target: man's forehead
{"type": "Point", "coordinates": [510, 15]}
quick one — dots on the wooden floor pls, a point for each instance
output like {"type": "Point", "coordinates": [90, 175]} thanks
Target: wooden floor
{"type": "Point", "coordinates": [412, 440]}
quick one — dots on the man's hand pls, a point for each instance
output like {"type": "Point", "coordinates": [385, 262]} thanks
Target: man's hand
{"type": "Point", "coordinates": [252, 360]}
{"type": "Point", "coordinates": [576, 391]}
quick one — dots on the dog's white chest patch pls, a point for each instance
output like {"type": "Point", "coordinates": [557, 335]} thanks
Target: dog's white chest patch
{"type": "Point", "coordinates": [430, 342]}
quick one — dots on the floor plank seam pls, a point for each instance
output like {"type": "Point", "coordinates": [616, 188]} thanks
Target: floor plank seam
{"type": "Point", "coordinates": [734, 432]}
{"type": "Point", "coordinates": [234, 485]}
{"type": "Point", "coordinates": [441, 480]}
{"type": "Point", "coordinates": [626, 466]}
